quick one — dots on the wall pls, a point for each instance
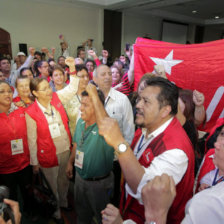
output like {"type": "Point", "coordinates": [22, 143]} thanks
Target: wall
{"type": "Point", "coordinates": [212, 33]}
{"type": "Point", "coordinates": [138, 25]}
{"type": "Point", "coordinates": [39, 23]}
{"type": "Point", "coordinates": [134, 26]}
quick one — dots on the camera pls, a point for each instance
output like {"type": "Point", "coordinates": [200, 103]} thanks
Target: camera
{"type": "Point", "coordinates": [5, 210]}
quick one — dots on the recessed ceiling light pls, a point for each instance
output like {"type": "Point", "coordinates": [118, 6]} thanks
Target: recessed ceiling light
{"type": "Point", "coordinates": [217, 17]}
{"type": "Point", "coordinates": [194, 11]}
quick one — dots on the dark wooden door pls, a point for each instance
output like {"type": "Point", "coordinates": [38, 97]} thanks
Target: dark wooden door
{"type": "Point", "coordinates": [5, 43]}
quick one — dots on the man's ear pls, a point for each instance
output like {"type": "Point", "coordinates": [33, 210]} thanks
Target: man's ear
{"type": "Point", "coordinates": [165, 111]}
{"type": "Point", "coordinates": [35, 93]}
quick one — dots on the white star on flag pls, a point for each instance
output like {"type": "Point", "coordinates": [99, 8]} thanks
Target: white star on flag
{"type": "Point", "coordinates": [168, 62]}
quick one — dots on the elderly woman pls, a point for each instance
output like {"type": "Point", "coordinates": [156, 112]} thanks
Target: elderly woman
{"type": "Point", "coordinates": [49, 137]}
{"type": "Point", "coordinates": [14, 152]}
{"type": "Point", "coordinates": [24, 98]}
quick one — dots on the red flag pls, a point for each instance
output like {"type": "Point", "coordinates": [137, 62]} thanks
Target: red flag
{"type": "Point", "coordinates": [195, 66]}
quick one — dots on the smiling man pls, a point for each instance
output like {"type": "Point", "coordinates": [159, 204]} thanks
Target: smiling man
{"type": "Point", "coordinates": [93, 160]}
{"type": "Point", "coordinates": [160, 146]}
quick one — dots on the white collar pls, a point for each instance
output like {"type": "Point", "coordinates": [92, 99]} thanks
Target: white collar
{"type": "Point", "coordinates": [43, 108]}
{"type": "Point", "coordinates": [158, 131]}
{"type": "Point", "coordinates": [111, 94]}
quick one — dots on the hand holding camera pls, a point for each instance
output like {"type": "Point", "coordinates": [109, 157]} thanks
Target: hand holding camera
{"type": "Point", "coordinates": [9, 210]}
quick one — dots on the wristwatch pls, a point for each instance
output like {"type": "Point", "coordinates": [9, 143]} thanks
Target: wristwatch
{"type": "Point", "coordinates": [121, 148]}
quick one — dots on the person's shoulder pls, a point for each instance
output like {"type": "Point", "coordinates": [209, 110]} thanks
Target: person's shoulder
{"type": "Point", "coordinates": [118, 95]}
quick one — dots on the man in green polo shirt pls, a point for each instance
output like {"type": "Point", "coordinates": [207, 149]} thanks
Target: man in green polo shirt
{"type": "Point", "coordinates": [93, 160]}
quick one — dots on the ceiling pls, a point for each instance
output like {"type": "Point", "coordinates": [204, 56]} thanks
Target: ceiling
{"type": "Point", "coordinates": [178, 10]}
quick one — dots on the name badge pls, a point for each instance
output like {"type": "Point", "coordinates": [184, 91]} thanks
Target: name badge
{"type": "Point", "coordinates": [79, 159]}
{"type": "Point", "coordinates": [54, 130]}
{"type": "Point", "coordinates": [17, 146]}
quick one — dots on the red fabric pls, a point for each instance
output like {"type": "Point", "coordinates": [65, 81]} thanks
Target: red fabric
{"type": "Point", "coordinates": [201, 68]}
{"type": "Point", "coordinates": [206, 167]}
{"type": "Point", "coordinates": [68, 75]}
{"type": "Point", "coordinates": [125, 88]}
{"type": "Point", "coordinates": [46, 150]}
{"type": "Point", "coordinates": [174, 136]}
{"type": "Point", "coordinates": [90, 75]}
{"type": "Point", "coordinates": [97, 61]}
{"type": "Point", "coordinates": [13, 127]}
{"type": "Point", "coordinates": [16, 99]}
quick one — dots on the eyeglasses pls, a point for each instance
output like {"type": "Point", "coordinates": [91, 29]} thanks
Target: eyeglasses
{"type": "Point", "coordinates": [45, 89]}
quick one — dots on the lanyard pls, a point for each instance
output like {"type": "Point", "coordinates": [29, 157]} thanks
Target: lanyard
{"type": "Point", "coordinates": [52, 113]}
{"type": "Point", "coordinates": [78, 98]}
{"type": "Point", "coordinates": [219, 180]}
{"type": "Point", "coordinates": [84, 137]}
{"type": "Point", "coordinates": [140, 144]}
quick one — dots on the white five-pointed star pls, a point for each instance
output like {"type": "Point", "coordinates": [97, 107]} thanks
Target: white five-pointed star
{"type": "Point", "coordinates": [168, 62]}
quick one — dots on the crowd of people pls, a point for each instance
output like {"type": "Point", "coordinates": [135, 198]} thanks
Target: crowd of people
{"type": "Point", "coordinates": [79, 119]}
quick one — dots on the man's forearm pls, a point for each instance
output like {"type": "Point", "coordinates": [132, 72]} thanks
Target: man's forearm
{"type": "Point", "coordinates": [131, 168]}
{"type": "Point", "coordinates": [100, 111]}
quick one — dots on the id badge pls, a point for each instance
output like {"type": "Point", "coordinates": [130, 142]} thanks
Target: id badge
{"type": "Point", "coordinates": [54, 130]}
{"type": "Point", "coordinates": [79, 159]}
{"type": "Point", "coordinates": [17, 146]}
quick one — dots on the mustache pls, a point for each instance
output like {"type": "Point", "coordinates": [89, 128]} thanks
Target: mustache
{"type": "Point", "coordinates": [138, 111]}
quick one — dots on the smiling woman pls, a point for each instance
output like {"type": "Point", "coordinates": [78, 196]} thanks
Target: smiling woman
{"type": "Point", "coordinates": [14, 153]}
{"type": "Point", "coordinates": [48, 133]}
{"type": "Point", "coordinates": [58, 79]}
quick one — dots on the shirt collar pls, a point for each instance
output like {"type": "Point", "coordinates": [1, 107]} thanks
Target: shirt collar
{"type": "Point", "coordinates": [111, 94]}
{"type": "Point", "coordinates": [158, 131]}
{"type": "Point", "coordinates": [48, 109]}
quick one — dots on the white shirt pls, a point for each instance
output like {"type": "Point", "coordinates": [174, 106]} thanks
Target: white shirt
{"type": "Point", "coordinates": [207, 206]}
{"type": "Point", "coordinates": [173, 162]}
{"type": "Point", "coordinates": [118, 107]}
{"type": "Point", "coordinates": [15, 73]}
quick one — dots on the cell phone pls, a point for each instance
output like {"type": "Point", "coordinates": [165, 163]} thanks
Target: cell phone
{"type": "Point", "coordinates": [127, 46]}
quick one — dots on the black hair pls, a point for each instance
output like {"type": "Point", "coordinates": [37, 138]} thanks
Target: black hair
{"type": "Point", "coordinates": [168, 92]}
{"type": "Point", "coordinates": [5, 58]}
{"type": "Point", "coordinates": [80, 67]}
{"type": "Point", "coordinates": [100, 94]}
{"type": "Point", "coordinates": [61, 57]}
{"type": "Point", "coordinates": [24, 69]}
{"type": "Point", "coordinates": [79, 50]}
{"type": "Point", "coordinates": [37, 65]}
{"type": "Point", "coordinates": [38, 53]}
{"type": "Point", "coordinates": [90, 60]}
{"type": "Point", "coordinates": [50, 59]}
